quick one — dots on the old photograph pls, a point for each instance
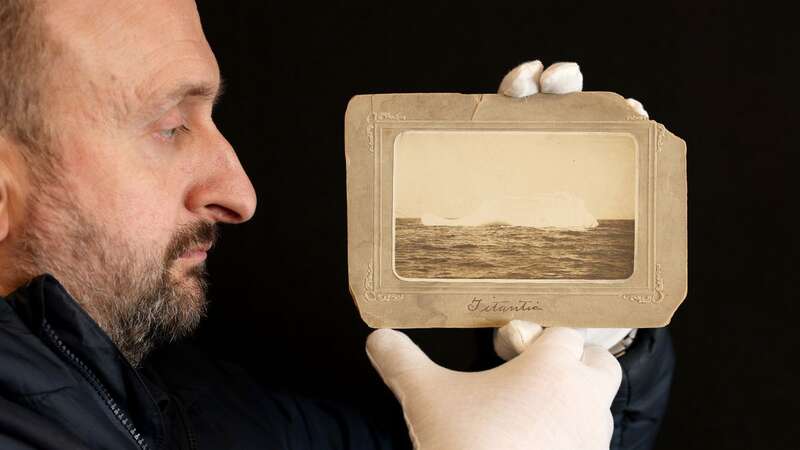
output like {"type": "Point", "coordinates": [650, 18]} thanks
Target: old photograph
{"type": "Point", "coordinates": [514, 205]}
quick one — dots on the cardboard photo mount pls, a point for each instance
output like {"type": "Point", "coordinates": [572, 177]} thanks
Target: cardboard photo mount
{"type": "Point", "coordinates": [648, 298]}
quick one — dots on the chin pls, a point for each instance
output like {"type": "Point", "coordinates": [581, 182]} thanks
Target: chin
{"type": "Point", "coordinates": [192, 282]}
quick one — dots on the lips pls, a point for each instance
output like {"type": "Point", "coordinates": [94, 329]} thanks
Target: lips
{"type": "Point", "coordinates": [198, 251]}
{"type": "Point", "coordinates": [204, 247]}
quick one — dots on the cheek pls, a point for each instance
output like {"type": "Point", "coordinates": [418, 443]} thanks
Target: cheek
{"type": "Point", "coordinates": [134, 196]}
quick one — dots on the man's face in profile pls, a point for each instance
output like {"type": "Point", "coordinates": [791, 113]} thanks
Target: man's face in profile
{"type": "Point", "coordinates": [123, 215]}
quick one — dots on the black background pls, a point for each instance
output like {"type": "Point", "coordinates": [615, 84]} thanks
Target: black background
{"type": "Point", "coordinates": [712, 72]}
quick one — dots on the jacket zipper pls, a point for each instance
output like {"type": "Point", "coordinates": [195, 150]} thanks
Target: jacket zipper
{"type": "Point", "coordinates": [97, 385]}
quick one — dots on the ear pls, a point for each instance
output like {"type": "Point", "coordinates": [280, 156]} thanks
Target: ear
{"type": "Point", "coordinates": [5, 217]}
{"type": "Point", "coordinates": [11, 173]}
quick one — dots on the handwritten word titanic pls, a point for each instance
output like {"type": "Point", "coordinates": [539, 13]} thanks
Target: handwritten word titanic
{"type": "Point", "coordinates": [478, 305]}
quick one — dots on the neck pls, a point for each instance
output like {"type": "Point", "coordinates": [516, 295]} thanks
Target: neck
{"type": "Point", "coordinates": [10, 281]}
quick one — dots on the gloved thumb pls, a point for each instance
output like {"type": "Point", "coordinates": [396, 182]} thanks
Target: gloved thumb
{"type": "Point", "coordinates": [514, 337]}
{"type": "Point", "coordinates": [399, 361]}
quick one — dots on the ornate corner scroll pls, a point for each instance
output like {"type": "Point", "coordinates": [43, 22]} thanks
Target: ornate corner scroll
{"type": "Point", "coordinates": [660, 134]}
{"type": "Point", "coordinates": [377, 117]}
{"type": "Point", "coordinates": [370, 135]}
{"type": "Point", "coordinates": [369, 289]}
{"type": "Point", "coordinates": [658, 297]}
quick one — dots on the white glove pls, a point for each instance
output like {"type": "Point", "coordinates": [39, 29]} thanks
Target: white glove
{"type": "Point", "coordinates": [555, 395]}
{"type": "Point", "coordinates": [560, 78]}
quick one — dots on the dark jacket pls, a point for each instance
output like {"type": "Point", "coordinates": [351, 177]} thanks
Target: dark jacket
{"type": "Point", "coordinates": [64, 385]}
{"type": "Point", "coordinates": [641, 402]}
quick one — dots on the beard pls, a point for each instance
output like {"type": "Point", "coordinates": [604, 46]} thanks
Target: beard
{"type": "Point", "coordinates": [135, 295]}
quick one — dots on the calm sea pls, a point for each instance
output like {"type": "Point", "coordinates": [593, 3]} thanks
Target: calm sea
{"type": "Point", "coordinates": [507, 252]}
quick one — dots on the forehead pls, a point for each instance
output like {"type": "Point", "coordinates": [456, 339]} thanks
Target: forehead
{"type": "Point", "coordinates": [132, 48]}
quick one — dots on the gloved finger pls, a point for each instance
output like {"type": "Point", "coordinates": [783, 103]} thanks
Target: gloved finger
{"type": "Point", "coordinates": [564, 339]}
{"type": "Point", "coordinates": [398, 360]}
{"type": "Point", "coordinates": [608, 370]}
{"type": "Point", "coordinates": [512, 338]}
{"type": "Point", "coordinates": [522, 80]}
{"type": "Point", "coordinates": [609, 428]}
{"type": "Point", "coordinates": [638, 107]}
{"type": "Point", "coordinates": [561, 78]}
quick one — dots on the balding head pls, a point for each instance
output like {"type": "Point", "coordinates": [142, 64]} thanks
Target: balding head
{"type": "Point", "coordinates": [129, 54]}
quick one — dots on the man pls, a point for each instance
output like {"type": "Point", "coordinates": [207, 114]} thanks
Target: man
{"type": "Point", "coordinates": [113, 177]}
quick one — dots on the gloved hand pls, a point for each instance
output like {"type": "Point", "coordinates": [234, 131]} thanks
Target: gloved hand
{"type": "Point", "coordinates": [555, 395]}
{"type": "Point", "coordinates": [560, 78]}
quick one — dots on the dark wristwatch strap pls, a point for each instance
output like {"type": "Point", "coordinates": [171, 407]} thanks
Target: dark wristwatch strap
{"type": "Point", "coordinates": [621, 347]}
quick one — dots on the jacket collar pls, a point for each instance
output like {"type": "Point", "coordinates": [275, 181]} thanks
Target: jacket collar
{"type": "Point", "coordinates": [43, 304]}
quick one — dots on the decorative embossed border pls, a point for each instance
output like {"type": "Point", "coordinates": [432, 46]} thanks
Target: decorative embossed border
{"type": "Point", "coordinates": [658, 297]}
{"type": "Point", "coordinates": [375, 117]}
{"type": "Point", "coordinates": [369, 289]}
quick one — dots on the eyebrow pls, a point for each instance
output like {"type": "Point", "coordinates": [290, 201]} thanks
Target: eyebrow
{"type": "Point", "coordinates": [204, 91]}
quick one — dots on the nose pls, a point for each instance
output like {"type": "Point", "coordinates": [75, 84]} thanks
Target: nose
{"type": "Point", "coordinates": [224, 193]}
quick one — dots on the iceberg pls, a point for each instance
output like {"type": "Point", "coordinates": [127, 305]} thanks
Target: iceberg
{"type": "Point", "coordinates": [551, 210]}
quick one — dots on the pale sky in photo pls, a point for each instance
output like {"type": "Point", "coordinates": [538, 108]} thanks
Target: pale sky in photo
{"type": "Point", "coordinates": [450, 173]}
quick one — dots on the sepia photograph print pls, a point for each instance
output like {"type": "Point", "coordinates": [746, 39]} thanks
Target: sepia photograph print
{"type": "Point", "coordinates": [514, 205]}
{"type": "Point", "coordinates": [470, 210]}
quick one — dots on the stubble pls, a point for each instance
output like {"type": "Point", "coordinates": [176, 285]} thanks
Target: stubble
{"type": "Point", "coordinates": [135, 295]}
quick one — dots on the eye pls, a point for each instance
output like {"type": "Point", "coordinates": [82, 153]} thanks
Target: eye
{"type": "Point", "coordinates": [170, 134]}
